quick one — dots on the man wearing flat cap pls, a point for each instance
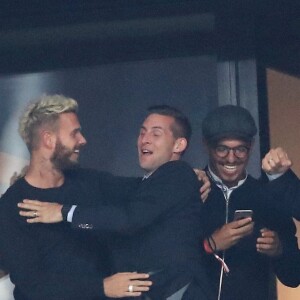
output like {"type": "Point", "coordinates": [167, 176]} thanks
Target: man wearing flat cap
{"type": "Point", "coordinates": [242, 248]}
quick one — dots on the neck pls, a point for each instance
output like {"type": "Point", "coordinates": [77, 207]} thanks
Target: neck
{"type": "Point", "coordinates": [42, 174]}
{"type": "Point", "coordinates": [229, 185]}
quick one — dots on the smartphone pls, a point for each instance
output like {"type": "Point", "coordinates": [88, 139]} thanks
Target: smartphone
{"type": "Point", "coordinates": [242, 214]}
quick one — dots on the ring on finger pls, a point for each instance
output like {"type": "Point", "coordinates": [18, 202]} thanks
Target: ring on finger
{"type": "Point", "coordinates": [130, 288]}
{"type": "Point", "coordinates": [35, 214]}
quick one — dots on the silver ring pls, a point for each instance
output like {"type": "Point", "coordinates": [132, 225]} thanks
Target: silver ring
{"type": "Point", "coordinates": [35, 214]}
{"type": "Point", "coordinates": [130, 288]}
{"type": "Point", "coordinates": [271, 159]}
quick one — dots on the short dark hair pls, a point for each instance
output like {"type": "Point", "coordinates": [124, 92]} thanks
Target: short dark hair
{"type": "Point", "coordinates": [181, 127]}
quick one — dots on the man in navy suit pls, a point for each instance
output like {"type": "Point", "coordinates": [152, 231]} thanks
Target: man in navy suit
{"type": "Point", "coordinates": [156, 228]}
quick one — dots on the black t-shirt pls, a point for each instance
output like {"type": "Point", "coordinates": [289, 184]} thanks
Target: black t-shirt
{"type": "Point", "coordinates": [52, 261]}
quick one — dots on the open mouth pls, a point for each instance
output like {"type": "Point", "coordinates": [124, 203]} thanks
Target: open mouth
{"type": "Point", "coordinates": [230, 168]}
{"type": "Point", "coordinates": [146, 152]}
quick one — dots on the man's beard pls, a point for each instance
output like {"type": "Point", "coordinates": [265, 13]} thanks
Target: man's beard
{"type": "Point", "coordinates": [61, 157]}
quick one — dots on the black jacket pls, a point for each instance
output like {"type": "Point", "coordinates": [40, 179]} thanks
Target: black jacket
{"type": "Point", "coordinates": [250, 271]}
{"type": "Point", "coordinates": [156, 229]}
{"type": "Point", "coordinates": [286, 194]}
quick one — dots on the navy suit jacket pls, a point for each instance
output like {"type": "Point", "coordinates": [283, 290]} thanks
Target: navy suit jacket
{"type": "Point", "coordinates": [156, 229]}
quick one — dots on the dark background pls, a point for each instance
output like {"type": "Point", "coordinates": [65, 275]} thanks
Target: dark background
{"type": "Point", "coordinates": [113, 99]}
{"type": "Point", "coordinates": [117, 57]}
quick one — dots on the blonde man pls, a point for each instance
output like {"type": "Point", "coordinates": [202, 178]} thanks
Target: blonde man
{"type": "Point", "coordinates": [53, 263]}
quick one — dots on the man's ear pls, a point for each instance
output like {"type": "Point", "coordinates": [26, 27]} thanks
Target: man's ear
{"type": "Point", "coordinates": [48, 139]}
{"type": "Point", "coordinates": [180, 145]}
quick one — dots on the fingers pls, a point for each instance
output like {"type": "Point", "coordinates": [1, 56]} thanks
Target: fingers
{"type": "Point", "coordinates": [29, 206]}
{"type": "Point", "coordinates": [134, 275]}
{"type": "Point", "coordinates": [41, 212]}
{"type": "Point", "coordinates": [242, 228]}
{"type": "Point", "coordinates": [269, 243]}
{"type": "Point", "coordinates": [137, 281]}
{"type": "Point", "coordinates": [266, 246]}
{"type": "Point", "coordinates": [267, 239]}
{"type": "Point", "coordinates": [126, 284]}
{"type": "Point", "coordinates": [29, 214]}
{"type": "Point", "coordinates": [204, 191]}
{"type": "Point", "coordinates": [265, 232]}
{"type": "Point", "coordinates": [137, 287]}
{"type": "Point", "coordinates": [206, 186]}
{"type": "Point", "coordinates": [34, 202]}
{"type": "Point", "coordinates": [133, 294]}
{"type": "Point", "coordinates": [241, 223]}
{"type": "Point", "coordinates": [32, 210]}
{"type": "Point", "coordinates": [276, 161]}
{"type": "Point", "coordinates": [265, 243]}
{"type": "Point", "coordinates": [231, 233]}
{"type": "Point", "coordinates": [140, 286]}
{"type": "Point", "coordinates": [32, 207]}
{"type": "Point", "coordinates": [32, 215]}
{"type": "Point", "coordinates": [201, 175]}
{"type": "Point", "coordinates": [198, 171]}
{"type": "Point", "coordinates": [245, 230]}
{"type": "Point", "coordinates": [34, 220]}
{"type": "Point", "coordinates": [280, 156]}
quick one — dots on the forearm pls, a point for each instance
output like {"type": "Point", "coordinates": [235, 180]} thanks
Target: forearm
{"type": "Point", "coordinates": [287, 269]}
{"type": "Point", "coordinates": [287, 265]}
{"type": "Point", "coordinates": [102, 218]}
{"type": "Point", "coordinates": [285, 191]}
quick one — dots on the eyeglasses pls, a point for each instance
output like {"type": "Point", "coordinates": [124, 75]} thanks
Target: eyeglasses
{"type": "Point", "coordinates": [239, 151]}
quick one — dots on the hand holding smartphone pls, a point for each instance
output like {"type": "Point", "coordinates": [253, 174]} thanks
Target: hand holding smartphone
{"type": "Point", "coordinates": [242, 214]}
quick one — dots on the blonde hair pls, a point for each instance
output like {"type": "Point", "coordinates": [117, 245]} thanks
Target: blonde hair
{"type": "Point", "coordinates": [43, 112]}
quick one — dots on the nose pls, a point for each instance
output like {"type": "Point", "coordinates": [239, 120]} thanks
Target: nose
{"type": "Point", "coordinates": [145, 138]}
{"type": "Point", "coordinates": [82, 140]}
{"type": "Point", "coordinates": [231, 157]}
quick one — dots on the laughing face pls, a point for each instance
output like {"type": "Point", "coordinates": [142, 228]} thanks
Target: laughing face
{"type": "Point", "coordinates": [69, 142]}
{"type": "Point", "coordinates": [156, 143]}
{"type": "Point", "coordinates": [228, 160]}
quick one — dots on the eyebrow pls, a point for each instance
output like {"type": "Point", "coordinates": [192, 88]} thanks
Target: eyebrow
{"type": "Point", "coordinates": [154, 127]}
{"type": "Point", "coordinates": [77, 130]}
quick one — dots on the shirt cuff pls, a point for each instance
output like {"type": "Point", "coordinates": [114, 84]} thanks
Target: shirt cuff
{"type": "Point", "coordinates": [272, 177]}
{"type": "Point", "coordinates": [70, 213]}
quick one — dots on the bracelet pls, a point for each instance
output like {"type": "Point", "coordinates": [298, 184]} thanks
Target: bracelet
{"type": "Point", "coordinates": [212, 243]}
{"type": "Point", "coordinates": [64, 211]}
{"type": "Point", "coordinates": [207, 248]}
{"type": "Point", "coordinates": [212, 250]}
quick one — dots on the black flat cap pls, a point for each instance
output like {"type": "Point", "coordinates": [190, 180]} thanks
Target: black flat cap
{"type": "Point", "coordinates": [228, 121]}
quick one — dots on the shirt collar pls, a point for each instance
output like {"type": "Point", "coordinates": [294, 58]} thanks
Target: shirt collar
{"type": "Point", "coordinates": [146, 176]}
{"type": "Point", "coordinates": [218, 181]}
